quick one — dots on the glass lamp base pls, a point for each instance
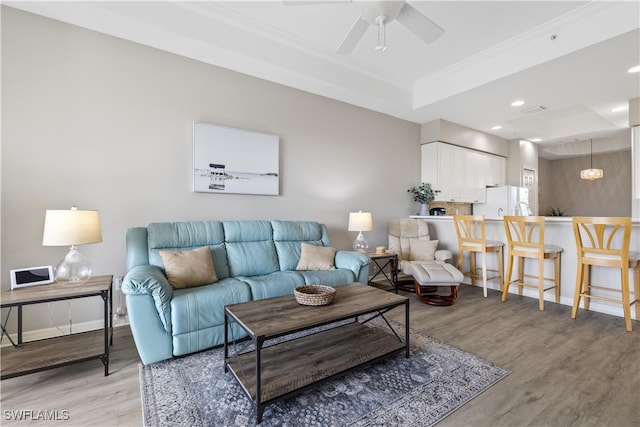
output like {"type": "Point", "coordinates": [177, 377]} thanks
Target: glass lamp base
{"type": "Point", "coordinates": [360, 244]}
{"type": "Point", "coordinates": [74, 268]}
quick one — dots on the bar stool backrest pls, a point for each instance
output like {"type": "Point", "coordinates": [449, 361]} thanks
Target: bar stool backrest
{"type": "Point", "coordinates": [471, 232]}
{"type": "Point", "coordinates": [525, 235]}
{"type": "Point", "coordinates": [603, 241]}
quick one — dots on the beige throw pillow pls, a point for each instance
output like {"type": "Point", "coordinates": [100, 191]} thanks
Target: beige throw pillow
{"type": "Point", "coordinates": [316, 257]}
{"type": "Point", "coordinates": [422, 250]}
{"type": "Point", "coordinates": [186, 269]}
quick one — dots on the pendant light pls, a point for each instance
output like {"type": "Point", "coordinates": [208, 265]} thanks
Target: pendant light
{"type": "Point", "coordinates": [591, 173]}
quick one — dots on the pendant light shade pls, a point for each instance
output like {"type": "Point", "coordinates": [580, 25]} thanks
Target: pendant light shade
{"type": "Point", "coordinates": [591, 173]}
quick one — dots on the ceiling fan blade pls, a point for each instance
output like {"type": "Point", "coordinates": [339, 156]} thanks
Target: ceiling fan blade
{"type": "Point", "coordinates": [420, 25]}
{"type": "Point", "coordinates": [351, 40]}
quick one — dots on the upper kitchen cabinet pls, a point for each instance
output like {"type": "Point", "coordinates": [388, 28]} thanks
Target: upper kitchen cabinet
{"type": "Point", "coordinates": [459, 174]}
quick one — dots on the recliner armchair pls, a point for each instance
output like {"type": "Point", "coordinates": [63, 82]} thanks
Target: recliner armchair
{"type": "Point", "coordinates": [419, 258]}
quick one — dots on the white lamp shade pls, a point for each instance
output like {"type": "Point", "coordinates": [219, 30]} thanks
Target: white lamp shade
{"type": "Point", "coordinates": [360, 221]}
{"type": "Point", "coordinates": [71, 227]}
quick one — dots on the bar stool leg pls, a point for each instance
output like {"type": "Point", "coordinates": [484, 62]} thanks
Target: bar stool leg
{"type": "Point", "coordinates": [577, 295]}
{"type": "Point", "coordinates": [636, 287]}
{"type": "Point", "coordinates": [520, 274]}
{"type": "Point", "coordinates": [484, 274]}
{"type": "Point", "coordinates": [586, 286]}
{"type": "Point", "coordinates": [556, 270]}
{"type": "Point", "coordinates": [541, 284]}
{"type": "Point", "coordinates": [507, 279]}
{"type": "Point", "coordinates": [500, 267]}
{"type": "Point", "coordinates": [472, 267]}
{"type": "Point", "coordinates": [626, 306]}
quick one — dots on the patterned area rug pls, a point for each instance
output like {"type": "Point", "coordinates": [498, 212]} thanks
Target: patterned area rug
{"type": "Point", "coordinates": [396, 391]}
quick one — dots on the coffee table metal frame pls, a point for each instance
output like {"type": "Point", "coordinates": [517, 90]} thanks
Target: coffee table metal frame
{"type": "Point", "coordinates": [352, 344]}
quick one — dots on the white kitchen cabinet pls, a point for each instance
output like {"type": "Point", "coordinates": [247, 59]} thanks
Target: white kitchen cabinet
{"type": "Point", "coordinates": [496, 169]}
{"type": "Point", "coordinates": [459, 174]}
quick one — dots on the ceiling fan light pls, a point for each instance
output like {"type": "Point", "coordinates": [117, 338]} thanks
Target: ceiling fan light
{"type": "Point", "coordinates": [591, 174]}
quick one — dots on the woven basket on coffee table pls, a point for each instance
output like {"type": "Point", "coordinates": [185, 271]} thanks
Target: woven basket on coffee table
{"type": "Point", "coordinates": [314, 294]}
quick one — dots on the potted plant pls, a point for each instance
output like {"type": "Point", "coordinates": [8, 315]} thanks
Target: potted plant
{"type": "Point", "coordinates": [424, 195]}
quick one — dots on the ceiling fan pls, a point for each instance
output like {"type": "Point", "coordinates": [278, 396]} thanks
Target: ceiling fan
{"type": "Point", "coordinates": [379, 14]}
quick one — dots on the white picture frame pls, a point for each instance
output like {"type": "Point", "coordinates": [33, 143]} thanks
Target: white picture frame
{"type": "Point", "coordinates": [237, 161]}
{"type": "Point", "coordinates": [31, 276]}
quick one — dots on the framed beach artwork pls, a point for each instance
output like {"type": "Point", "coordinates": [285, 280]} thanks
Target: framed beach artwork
{"type": "Point", "coordinates": [228, 160]}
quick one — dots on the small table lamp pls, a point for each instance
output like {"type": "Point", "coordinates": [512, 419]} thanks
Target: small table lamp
{"type": "Point", "coordinates": [360, 221]}
{"type": "Point", "coordinates": [71, 228]}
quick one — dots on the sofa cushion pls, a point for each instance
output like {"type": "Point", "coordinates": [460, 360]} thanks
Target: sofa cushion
{"type": "Point", "coordinates": [187, 269]}
{"type": "Point", "coordinates": [288, 235]}
{"type": "Point", "coordinates": [340, 276]}
{"type": "Point", "coordinates": [197, 312]}
{"type": "Point", "coordinates": [188, 235]}
{"type": "Point", "coordinates": [314, 257]}
{"type": "Point", "coordinates": [422, 250]}
{"type": "Point", "coordinates": [250, 248]}
{"type": "Point", "coordinates": [274, 284]}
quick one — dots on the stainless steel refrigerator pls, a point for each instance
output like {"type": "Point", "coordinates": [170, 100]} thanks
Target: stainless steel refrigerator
{"type": "Point", "coordinates": [503, 201]}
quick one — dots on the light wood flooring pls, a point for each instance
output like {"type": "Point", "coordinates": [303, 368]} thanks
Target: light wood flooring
{"type": "Point", "coordinates": [583, 372]}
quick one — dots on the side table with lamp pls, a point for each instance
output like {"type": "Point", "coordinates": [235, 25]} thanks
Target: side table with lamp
{"type": "Point", "coordinates": [73, 280]}
{"type": "Point", "coordinates": [386, 264]}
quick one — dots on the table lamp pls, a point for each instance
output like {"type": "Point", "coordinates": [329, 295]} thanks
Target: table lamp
{"type": "Point", "coordinates": [72, 227]}
{"type": "Point", "coordinates": [360, 221]}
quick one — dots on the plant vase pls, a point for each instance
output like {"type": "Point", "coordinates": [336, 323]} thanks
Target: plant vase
{"type": "Point", "coordinates": [424, 211]}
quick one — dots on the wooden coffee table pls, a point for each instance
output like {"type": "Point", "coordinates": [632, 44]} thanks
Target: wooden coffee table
{"type": "Point", "coordinates": [274, 372]}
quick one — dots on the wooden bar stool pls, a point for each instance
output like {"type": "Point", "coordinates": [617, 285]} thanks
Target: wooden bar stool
{"type": "Point", "coordinates": [525, 239]}
{"type": "Point", "coordinates": [604, 242]}
{"type": "Point", "coordinates": [472, 238]}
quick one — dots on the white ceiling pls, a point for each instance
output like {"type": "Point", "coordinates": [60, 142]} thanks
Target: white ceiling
{"type": "Point", "coordinates": [571, 57]}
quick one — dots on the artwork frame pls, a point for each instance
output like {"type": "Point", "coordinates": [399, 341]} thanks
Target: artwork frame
{"type": "Point", "coordinates": [235, 161]}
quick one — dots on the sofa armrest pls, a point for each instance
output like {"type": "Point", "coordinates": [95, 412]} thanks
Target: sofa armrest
{"type": "Point", "coordinates": [443, 255]}
{"type": "Point", "coordinates": [150, 280]}
{"type": "Point", "coordinates": [354, 261]}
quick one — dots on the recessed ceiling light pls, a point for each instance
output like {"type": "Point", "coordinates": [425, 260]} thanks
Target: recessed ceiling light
{"type": "Point", "coordinates": [496, 127]}
{"type": "Point", "coordinates": [635, 69]}
{"type": "Point", "coordinates": [535, 139]}
{"type": "Point", "coordinates": [517, 103]}
{"type": "Point", "coordinates": [618, 109]}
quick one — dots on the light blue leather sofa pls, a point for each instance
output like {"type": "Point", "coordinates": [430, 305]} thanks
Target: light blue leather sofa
{"type": "Point", "coordinates": [252, 259]}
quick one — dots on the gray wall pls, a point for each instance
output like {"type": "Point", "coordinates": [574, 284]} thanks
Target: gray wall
{"type": "Point", "coordinates": [106, 124]}
{"type": "Point", "coordinates": [560, 185]}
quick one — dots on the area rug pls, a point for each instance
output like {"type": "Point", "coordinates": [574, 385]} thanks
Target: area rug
{"type": "Point", "coordinates": [395, 391]}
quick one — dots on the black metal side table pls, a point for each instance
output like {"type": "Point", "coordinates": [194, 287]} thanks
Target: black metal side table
{"type": "Point", "coordinates": [383, 261]}
{"type": "Point", "coordinates": [34, 356]}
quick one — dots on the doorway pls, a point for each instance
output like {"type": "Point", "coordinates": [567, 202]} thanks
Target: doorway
{"type": "Point", "coordinates": [529, 180]}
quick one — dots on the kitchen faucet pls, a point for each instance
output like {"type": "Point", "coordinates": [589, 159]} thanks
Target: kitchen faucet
{"type": "Point", "coordinates": [521, 209]}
